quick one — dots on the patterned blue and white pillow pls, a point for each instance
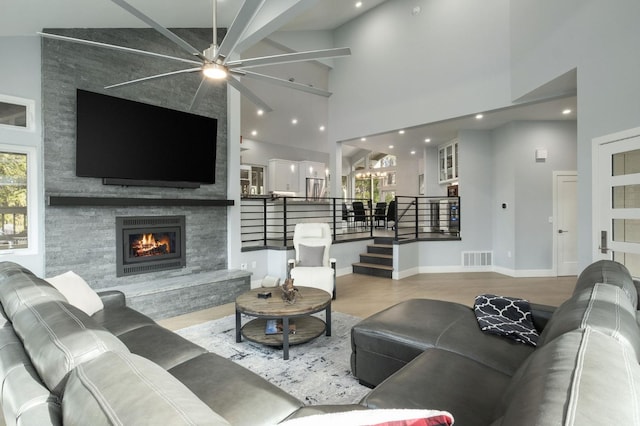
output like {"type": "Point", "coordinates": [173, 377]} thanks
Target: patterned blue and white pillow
{"type": "Point", "coordinates": [506, 316]}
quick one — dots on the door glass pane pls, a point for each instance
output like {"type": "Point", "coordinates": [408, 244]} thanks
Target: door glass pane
{"type": "Point", "coordinates": [626, 197]}
{"type": "Point", "coordinates": [630, 260]}
{"type": "Point", "coordinates": [626, 163]}
{"type": "Point", "coordinates": [13, 201]}
{"type": "Point", "coordinates": [626, 230]}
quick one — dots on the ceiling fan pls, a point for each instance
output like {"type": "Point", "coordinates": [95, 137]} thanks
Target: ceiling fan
{"type": "Point", "coordinates": [214, 62]}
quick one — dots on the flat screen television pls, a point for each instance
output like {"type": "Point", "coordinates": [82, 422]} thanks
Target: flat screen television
{"type": "Point", "coordinates": [125, 141]}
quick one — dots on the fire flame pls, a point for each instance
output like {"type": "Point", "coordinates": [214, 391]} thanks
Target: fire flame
{"type": "Point", "coordinates": [151, 245]}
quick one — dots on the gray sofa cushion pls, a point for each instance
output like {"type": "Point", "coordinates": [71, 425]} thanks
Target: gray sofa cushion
{"type": "Point", "coordinates": [442, 380]}
{"type": "Point", "coordinates": [609, 272]}
{"type": "Point", "coordinates": [164, 347]}
{"type": "Point", "coordinates": [388, 340]}
{"type": "Point", "coordinates": [239, 395]}
{"type": "Point", "coordinates": [583, 377]}
{"type": "Point", "coordinates": [604, 307]}
{"type": "Point", "coordinates": [24, 398]}
{"type": "Point", "coordinates": [58, 337]}
{"type": "Point", "coordinates": [125, 389]}
{"type": "Point", "coordinates": [121, 319]}
{"type": "Point", "coordinates": [20, 287]}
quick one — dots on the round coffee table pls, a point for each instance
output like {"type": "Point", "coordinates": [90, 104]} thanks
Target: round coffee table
{"type": "Point", "coordinates": [309, 301]}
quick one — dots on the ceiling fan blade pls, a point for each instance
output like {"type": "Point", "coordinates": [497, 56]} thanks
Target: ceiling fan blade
{"type": "Point", "coordinates": [235, 30]}
{"type": "Point", "coordinates": [199, 93]}
{"type": "Point", "coordinates": [290, 57]}
{"type": "Point", "coordinates": [162, 30]}
{"type": "Point", "coordinates": [285, 83]}
{"type": "Point", "coordinates": [115, 47]}
{"type": "Point", "coordinates": [152, 77]}
{"type": "Point", "coordinates": [244, 91]}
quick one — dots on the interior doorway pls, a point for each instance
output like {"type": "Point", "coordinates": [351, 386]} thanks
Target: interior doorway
{"type": "Point", "coordinates": [616, 198]}
{"type": "Point", "coordinates": [565, 241]}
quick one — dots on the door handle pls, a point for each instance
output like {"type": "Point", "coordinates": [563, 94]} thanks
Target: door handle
{"type": "Point", "coordinates": [603, 242]}
{"type": "Point", "coordinates": [562, 231]}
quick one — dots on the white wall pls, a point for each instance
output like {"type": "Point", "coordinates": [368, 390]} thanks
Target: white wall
{"type": "Point", "coordinates": [450, 60]}
{"type": "Point", "coordinates": [598, 38]}
{"type": "Point", "coordinates": [526, 185]}
{"type": "Point", "coordinates": [20, 77]}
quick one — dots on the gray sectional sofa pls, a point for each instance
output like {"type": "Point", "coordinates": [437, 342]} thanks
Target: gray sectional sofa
{"type": "Point", "coordinates": [59, 365]}
{"type": "Point", "coordinates": [583, 371]}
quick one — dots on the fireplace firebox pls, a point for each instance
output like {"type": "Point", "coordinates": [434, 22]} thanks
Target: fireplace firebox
{"type": "Point", "coordinates": [149, 243]}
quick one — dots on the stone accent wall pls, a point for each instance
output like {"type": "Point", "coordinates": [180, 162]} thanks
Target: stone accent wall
{"type": "Point", "coordinates": [82, 239]}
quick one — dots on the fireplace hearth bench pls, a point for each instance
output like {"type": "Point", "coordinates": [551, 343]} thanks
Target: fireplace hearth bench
{"type": "Point", "coordinates": [59, 365]}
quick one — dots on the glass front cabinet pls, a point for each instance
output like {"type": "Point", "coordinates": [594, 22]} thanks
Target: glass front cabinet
{"type": "Point", "coordinates": [448, 162]}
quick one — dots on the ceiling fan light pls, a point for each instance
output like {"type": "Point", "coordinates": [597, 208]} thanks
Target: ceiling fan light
{"type": "Point", "coordinates": [214, 71]}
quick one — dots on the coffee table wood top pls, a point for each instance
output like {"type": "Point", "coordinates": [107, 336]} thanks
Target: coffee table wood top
{"type": "Point", "coordinates": [309, 300]}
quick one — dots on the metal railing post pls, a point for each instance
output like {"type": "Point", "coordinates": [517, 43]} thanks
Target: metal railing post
{"type": "Point", "coordinates": [415, 200]}
{"type": "Point", "coordinates": [264, 222]}
{"type": "Point", "coordinates": [284, 220]}
{"type": "Point", "coordinates": [334, 220]}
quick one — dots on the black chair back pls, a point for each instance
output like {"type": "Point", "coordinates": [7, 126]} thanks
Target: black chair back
{"type": "Point", "coordinates": [359, 214]}
{"type": "Point", "coordinates": [379, 213]}
{"type": "Point", "coordinates": [391, 211]}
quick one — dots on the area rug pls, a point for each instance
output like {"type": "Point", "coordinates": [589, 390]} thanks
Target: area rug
{"type": "Point", "coordinates": [317, 372]}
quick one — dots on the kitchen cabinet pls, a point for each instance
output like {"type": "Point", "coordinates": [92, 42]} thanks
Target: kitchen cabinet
{"type": "Point", "coordinates": [448, 162]}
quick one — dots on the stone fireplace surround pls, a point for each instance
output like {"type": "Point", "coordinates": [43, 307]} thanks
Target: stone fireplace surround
{"type": "Point", "coordinates": [81, 237]}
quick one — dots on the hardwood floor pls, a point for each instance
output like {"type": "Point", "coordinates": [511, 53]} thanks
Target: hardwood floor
{"type": "Point", "coordinates": [363, 295]}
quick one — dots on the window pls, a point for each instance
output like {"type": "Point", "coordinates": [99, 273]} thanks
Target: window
{"type": "Point", "coordinates": [14, 221]}
{"type": "Point", "coordinates": [16, 113]}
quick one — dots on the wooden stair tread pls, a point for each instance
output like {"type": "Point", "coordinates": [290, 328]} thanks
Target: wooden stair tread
{"type": "Point", "coordinates": [378, 255]}
{"type": "Point", "coordinates": [390, 246]}
{"type": "Point", "coordinates": [373, 266]}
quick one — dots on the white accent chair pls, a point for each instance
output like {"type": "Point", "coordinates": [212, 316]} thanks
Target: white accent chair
{"type": "Point", "coordinates": [312, 266]}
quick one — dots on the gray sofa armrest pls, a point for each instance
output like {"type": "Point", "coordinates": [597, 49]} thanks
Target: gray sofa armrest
{"type": "Point", "coordinates": [112, 299]}
{"type": "Point", "coordinates": [541, 315]}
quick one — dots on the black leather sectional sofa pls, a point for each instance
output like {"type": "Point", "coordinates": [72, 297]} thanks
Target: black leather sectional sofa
{"type": "Point", "coordinates": [583, 371]}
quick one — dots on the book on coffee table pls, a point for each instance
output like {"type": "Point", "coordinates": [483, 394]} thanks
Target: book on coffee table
{"type": "Point", "coordinates": [274, 326]}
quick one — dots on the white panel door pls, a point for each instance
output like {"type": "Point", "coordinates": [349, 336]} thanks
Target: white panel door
{"type": "Point", "coordinates": [616, 186]}
{"type": "Point", "coordinates": [566, 224]}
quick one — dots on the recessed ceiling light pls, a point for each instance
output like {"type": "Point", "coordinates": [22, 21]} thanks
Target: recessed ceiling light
{"type": "Point", "coordinates": [321, 128]}
{"type": "Point", "coordinates": [390, 146]}
{"type": "Point", "coordinates": [566, 111]}
{"type": "Point", "coordinates": [358, 4]}
{"type": "Point", "coordinates": [363, 139]}
{"type": "Point", "coordinates": [401, 132]}
{"type": "Point", "coordinates": [294, 121]}
{"type": "Point", "coordinates": [413, 152]}
{"type": "Point", "coordinates": [260, 112]}
{"type": "Point", "coordinates": [427, 140]}
{"type": "Point", "coordinates": [254, 132]}
{"type": "Point", "coordinates": [479, 116]}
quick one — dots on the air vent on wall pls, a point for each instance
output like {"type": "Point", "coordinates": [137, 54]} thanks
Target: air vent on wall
{"type": "Point", "coordinates": [472, 259]}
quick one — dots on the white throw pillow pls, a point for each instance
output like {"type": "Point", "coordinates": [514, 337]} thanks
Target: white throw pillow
{"type": "Point", "coordinates": [77, 292]}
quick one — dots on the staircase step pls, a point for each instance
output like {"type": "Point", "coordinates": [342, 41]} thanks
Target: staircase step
{"type": "Point", "coordinates": [383, 240]}
{"type": "Point", "coordinates": [373, 269]}
{"type": "Point", "coordinates": [377, 259]}
{"type": "Point", "coordinates": [380, 248]}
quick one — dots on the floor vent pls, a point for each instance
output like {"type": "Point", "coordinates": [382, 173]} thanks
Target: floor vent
{"type": "Point", "coordinates": [471, 259]}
